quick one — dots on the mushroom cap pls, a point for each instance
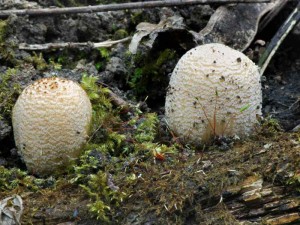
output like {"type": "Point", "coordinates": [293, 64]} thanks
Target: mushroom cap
{"type": "Point", "coordinates": [51, 121]}
{"type": "Point", "coordinates": [214, 91]}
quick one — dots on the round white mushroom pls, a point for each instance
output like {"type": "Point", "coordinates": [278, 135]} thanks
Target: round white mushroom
{"type": "Point", "coordinates": [214, 91]}
{"type": "Point", "coordinates": [51, 121]}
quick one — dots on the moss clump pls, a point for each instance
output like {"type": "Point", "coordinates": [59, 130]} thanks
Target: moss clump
{"type": "Point", "coordinates": [3, 27]}
{"type": "Point", "coordinates": [105, 119]}
{"type": "Point", "coordinates": [149, 74]}
{"type": "Point", "coordinates": [104, 142]}
{"type": "Point", "coordinates": [14, 180]}
{"type": "Point", "coordinates": [143, 137]}
{"type": "Point", "coordinates": [104, 55]}
{"type": "Point", "coordinates": [146, 128]}
{"type": "Point", "coordinates": [119, 34]}
{"type": "Point", "coordinates": [104, 193]}
{"type": "Point", "coordinates": [9, 91]}
{"type": "Point", "coordinates": [38, 61]}
{"type": "Point", "coordinates": [7, 55]}
{"type": "Point", "coordinates": [294, 181]}
{"type": "Point", "coordinates": [268, 127]}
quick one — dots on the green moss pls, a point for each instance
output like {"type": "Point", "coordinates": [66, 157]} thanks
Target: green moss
{"type": "Point", "coordinates": [104, 194]}
{"type": "Point", "coordinates": [268, 127]}
{"type": "Point", "coordinates": [9, 91]}
{"type": "Point", "coordinates": [7, 47]}
{"type": "Point", "coordinates": [104, 141]}
{"type": "Point", "coordinates": [138, 16]}
{"type": "Point", "coordinates": [102, 112]}
{"type": "Point", "coordinates": [3, 27]}
{"type": "Point", "coordinates": [146, 128]}
{"type": "Point", "coordinates": [144, 136]}
{"type": "Point", "coordinates": [55, 65]}
{"type": "Point", "coordinates": [38, 61]}
{"type": "Point", "coordinates": [113, 142]}
{"type": "Point", "coordinates": [294, 181]}
{"type": "Point", "coordinates": [164, 56]}
{"type": "Point", "coordinates": [10, 178]}
{"type": "Point", "coordinates": [105, 119]}
{"type": "Point", "coordinates": [14, 179]}
{"type": "Point", "coordinates": [104, 52]}
{"type": "Point", "coordinates": [126, 171]}
{"type": "Point", "coordinates": [104, 58]}
{"type": "Point", "coordinates": [58, 61]}
{"type": "Point", "coordinates": [148, 73]}
{"type": "Point", "coordinates": [68, 58]}
{"type": "Point", "coordinates": [120, 34]}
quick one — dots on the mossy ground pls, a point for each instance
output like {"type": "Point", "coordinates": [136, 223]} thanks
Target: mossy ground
{"type": "Point", "coordinates": [142, 189]}
{"type": "Point", "coordinates": [130, 172]}
{"type": "Point", "coordinates": [127, 176]}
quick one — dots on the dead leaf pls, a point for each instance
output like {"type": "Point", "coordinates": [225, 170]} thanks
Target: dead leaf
{"type": "Point", "coordinates": [11, 210]}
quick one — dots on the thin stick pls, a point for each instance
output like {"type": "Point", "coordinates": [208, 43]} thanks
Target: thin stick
{"type": "Point", "coordinates": [115, 7]}
{"type": "Point", "coordinates": [118, 101]}
{"type": "Point", "coordinates": [276, 41]}
{"type": "Point", "coordinates": [49, 46]}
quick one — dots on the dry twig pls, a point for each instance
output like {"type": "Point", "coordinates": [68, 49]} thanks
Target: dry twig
{"type": "Point", "coordinates": [50, 46]}
{"type": "Point", "coordinates": [115, 7]}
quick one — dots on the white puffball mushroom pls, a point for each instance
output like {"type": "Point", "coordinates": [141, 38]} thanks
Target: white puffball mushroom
{"type": "Point", "coordinates": [214, 91]}
{"type": "Point", "coordinates": [51, 121]}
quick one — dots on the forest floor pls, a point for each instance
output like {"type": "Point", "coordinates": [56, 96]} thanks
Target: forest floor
{"type": "Point", "coordinates": [134, 170]}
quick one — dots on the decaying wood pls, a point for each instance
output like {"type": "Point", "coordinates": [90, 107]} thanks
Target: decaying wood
{"type": "Point", "coordinates": [50, 46]}
{"type": "Point", "coordinates": [115, 7]}
{"type": "Point", "coordinates": [276, 41]}
{"type": "Point", "coordinates": [257, 200]}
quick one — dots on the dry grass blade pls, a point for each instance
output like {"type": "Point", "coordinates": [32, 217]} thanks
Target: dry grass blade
{"type": "Point", "coordinates": [276, 41]}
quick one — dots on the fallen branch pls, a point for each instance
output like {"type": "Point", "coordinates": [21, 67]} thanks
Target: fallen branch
{"type": "Point", "coordinates": [115, 7]}
{"type": "Point", "coordinates": [276, 41]}
{"type": "Point", "coordinates": [51, 46]}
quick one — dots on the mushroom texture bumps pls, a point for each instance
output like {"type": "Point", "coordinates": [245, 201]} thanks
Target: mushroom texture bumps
{"type": "Point", "coordinates": [51, 121]}
{"type": "Point", "coordinates": [214, 91]}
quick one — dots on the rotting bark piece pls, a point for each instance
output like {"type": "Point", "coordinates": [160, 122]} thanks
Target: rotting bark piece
{"type": "Point", "coordinates": [236, 25]}
{"type": "Point", "coordinates": [285, 219]}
